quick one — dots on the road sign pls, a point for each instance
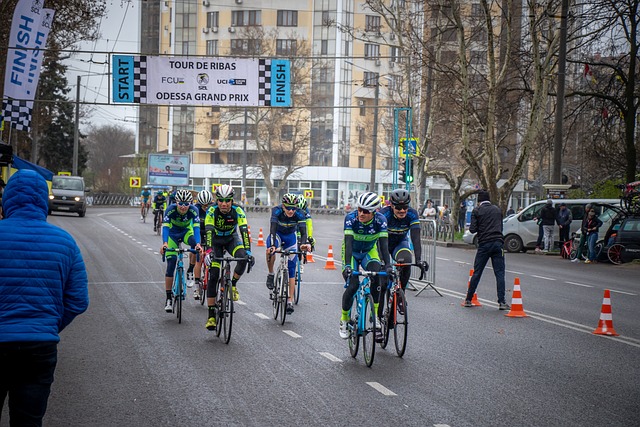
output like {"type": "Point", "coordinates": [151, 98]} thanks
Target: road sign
{"type": "Point", "coordinates": [134, 181]}
{"type": "Point", "coordinates": [64, 173]}
{"type": "Point", "coordinates": [308, 194]}
{"type": "Point", "coordinates": [411, 145]}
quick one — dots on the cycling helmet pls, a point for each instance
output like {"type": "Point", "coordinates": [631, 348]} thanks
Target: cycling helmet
{"type": "Point", "coordinates": [290, 199]}
{"type": "Point", "coordinates": [368, 201]}
{"type": "Point", "coordinates": [225, 192]}
{"type": "Point", "coordinates": [302, 202]}
{"type": "Point", "coordinates": [400, 196]}
{"type": "Point", "coordinates": [205, 197]}
{"type": "Point", "coordinates": [184, 196]}
{"type": "Point", "coordinates": [159, 193]}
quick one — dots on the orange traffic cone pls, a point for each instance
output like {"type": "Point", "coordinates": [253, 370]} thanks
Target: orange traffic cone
{"type": "Point", "coordinates": [517, 310]}
{"type": "Point", "coordinates": [330, 265]}
{"type": "Point", "coordinates": [474, 300]}
{"type": "Point", "coordinates": [310, 257]}
{"type": "Point", "coordinates": [249, 231]}
{"type": "Point", "coordinates": [605, 325]}
{"type": "Point", "coordinates": [261, 238]}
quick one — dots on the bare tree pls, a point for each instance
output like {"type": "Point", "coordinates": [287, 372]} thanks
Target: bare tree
{"type": "Point", "coordinates": [106, 145]}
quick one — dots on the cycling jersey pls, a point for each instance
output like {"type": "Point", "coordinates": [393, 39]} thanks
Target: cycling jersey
{"type": "Point", "coordinates": [398, 227]}
{"type": "Point", "coordinates": [145, 195]}
{"type": "Point", "coordinates": [159, 202]}
{"type": "Point", "coordinates": [219, 224]}
{"type": "Point", "coordinates": [283, 225]}
{"type": "Point", "coordinates": [308, 222]}
{"type": "Point", "coordinates": [365, 235]}
{"type": "Point", "coordinates": [175, 224]}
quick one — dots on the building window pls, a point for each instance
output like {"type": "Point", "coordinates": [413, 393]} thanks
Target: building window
{"type": "Point", "coordinates": [395, 54]}
{"type": "Point", "coordinates": [370, 79]}
{"type": "Point", "coordinates": [215, 132]}
{"type": "Point", "coordinates": [363, 107]}
{"type": "Point", "coordinates": [361, 162]}
{"type": "Point", "coordinates": [371, 50]}
{"type": "Point", "coordinates": [212, 19]}
{"type": "Point", "coordinates": [212, 48]}
{"type": "Point", "coordinates": [372, 23]}
{"type": "Point", "coordinates": [285, 47]}
{"type": "Point", "coordinates": [326, 18]}
{"type": "Point", "coordinates": [286, 133]}
{"type": "Point", "coordinates": [246, 18]}
{"type": "Point", "coordinates": [346, 48]}
{"type": "Point", "coordinates": [476, 9]}
{"type": "Point", "coordinates": [478, 58]}
{"type": "Point", "coordinates": [236, 131]}
{"type": "Point", "coordinates": [361, 135]}
{"type": "Point", "coordinates": [324, 47]}
{"type": "Point", "coordinates": [287, 18]}
{"type": "Point", "coordinates": [245, 46]}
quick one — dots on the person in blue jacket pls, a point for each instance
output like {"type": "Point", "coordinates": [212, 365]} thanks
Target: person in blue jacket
{"type": "Point", "coordinates": [43, 287]}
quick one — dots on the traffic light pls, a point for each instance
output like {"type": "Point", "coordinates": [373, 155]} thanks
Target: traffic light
{"type": "Point", "coordinates": [402, 176]}
{"type": "Point", "coordinates": [409, 173]}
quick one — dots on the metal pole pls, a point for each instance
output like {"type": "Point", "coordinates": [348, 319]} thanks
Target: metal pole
{"type": "Point", "coordinates": [556, 177]}
{"type": "Point", "coordinates": [244, 159]}
{"type": "Point", "coordinates": [374, 143]}
{"type": "Point", "coordinates": [76, 131]}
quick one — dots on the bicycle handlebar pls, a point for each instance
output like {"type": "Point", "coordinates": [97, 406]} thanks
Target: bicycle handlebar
{"type": "Point", "coordinates": [180, 250]}
{"type": "Point", "coordinates": [422, 272]}
{"type": "Point", "coordinates": [288, 252]}
{"type": "Point", "coordinates": [230, 259]}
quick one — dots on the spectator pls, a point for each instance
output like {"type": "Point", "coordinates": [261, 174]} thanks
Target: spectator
{"type": "Point", "coordinates": [583, 233]}
{"type": "Point", "coordinates": [592, 227]}
{"type": "Point", "coordinates": [564, 222]}
{"type": "Point", "coordinates": [462, 216]}
{"type": "Point", "coordinates": [486, 220]}
{"type": "Point", "coordinates": [257, 201]}
{"type": "Point", "coordinates": [429, 211]}
{"type": "Point", "coordinates": [446, 214]}
{"type": "Point", "coordinates": [510, 211]}
{"type": "Point", "coordinates": [43, 288]}
{"type": "Point", "coordinates": [548, 217]}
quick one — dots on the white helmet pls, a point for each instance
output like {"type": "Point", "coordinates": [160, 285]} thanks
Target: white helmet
{"type": "Point", "coordinates": [205, 197]}
{"type": "Point", "coordinates": [184, 196]}
{"type": "Point", "coordinates": [368, 201]}
{"type": "Point", "coordinates": [225, 192]}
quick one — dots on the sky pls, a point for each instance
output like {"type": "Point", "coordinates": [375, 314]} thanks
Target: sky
{"type": "Point", "coordinates": [120, 34]}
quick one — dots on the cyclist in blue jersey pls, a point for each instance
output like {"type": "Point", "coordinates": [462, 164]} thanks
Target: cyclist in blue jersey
{"type": "Point", "coordinates": [158, 205]}
{"type": "Point", "coordinates": [181, 223]}
{"type": "Point", "coordinates": [286, 219]}
{"type": "Point", "coordinates": [403, 222]}
{"type": "Point", "coordinates": [145, 195]}
{"type": "Point", "coordinates": [203, 201]}
{"type": "Point", "coordinates": [365, 231]}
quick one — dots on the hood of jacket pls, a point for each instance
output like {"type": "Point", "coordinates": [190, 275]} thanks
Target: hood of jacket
{"type": "Point", "coordinates": [26, 196]}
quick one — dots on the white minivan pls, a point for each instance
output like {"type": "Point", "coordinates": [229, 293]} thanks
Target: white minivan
{"type": "Point", "coordinates": [521, 230]}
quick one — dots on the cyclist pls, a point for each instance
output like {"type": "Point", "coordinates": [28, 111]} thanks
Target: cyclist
{"type": "Point", "coordinates": [181, 223]}
{"type": "Point", "coordinates": [286, 219]}
{"type": "Point", "coordinates": [365, 231]}
{"type": "Point", "coordinates": [203, 201]}
{"type": "Point", "coordinates": [145, 195]}
{"type": "Point", "coordinates": [158, 205]}
{"type": "Point", "coordinates": [403, 222]}
{"type": "Point", "coordinates": [303, 205]}
{"type": "Point", "coordinates": [222, 221]}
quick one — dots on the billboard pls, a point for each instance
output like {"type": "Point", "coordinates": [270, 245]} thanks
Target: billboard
{"type": "Point", "coordinates": [211, 81]}
{"type": "Point", "coordinates": [168, 169]}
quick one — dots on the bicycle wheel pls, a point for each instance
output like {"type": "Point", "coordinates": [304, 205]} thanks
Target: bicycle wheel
{"type": "Point", "coordinates": [276, 294]}
{"type": "Point", "coordinates": [354, 337]}
{"type": "Point", "coordinates": [615, 253]}
{"type": "Point", "coordinates": [227, 312]}
{"type": "Point", "coordinates": [296, 289]}
{"type": "Point", "coordinates": [399, 319]}
{"type": "Point", "coordinates": [284, 295]}
{"type": "Point", "coordinates": [386, 319]}
{"type": "Point", "coordinates": [369, 331]}
{"type": "Point", "coordinates": [219, 305]}
{"type": "Point", "coordinates": [178, 296]}
{"type": "Point", "coordinates": [202, 286]}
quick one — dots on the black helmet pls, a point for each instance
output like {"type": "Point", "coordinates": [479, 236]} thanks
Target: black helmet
{"type": "Point", "coordinates": [400, 196]}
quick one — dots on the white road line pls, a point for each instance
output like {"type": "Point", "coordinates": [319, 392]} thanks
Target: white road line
{"type": "Point", "coordinates": [441, 425]}
{"type": "Point", "coordinates": [382, 389]}
{"type": "Point", "coordinates": [262, 316]}
{"type": "Point", "coordinates": [330, 357]}
{"type": "Point", "coordinates": [292, 334]}
{"type": "Point", "coordinates": [579, 284]}
{"type": "Point", "coordinates": [462, 262]}
{"type": "Point", "coordinates": [149, 249]}
{"type": "Point", "coordinates": [542, 277]}
{"type": "Point", "coordinates": [443, 259]}
{"type": "Point", "coordinates": [240, 302]}
{"type": "Point", "coordinates": [622, 292]}
{"type": "Point", "coordinates": [513, 272]}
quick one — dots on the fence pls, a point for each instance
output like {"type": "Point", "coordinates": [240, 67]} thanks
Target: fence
{"type": "Point", "coordinates": [428, 236]}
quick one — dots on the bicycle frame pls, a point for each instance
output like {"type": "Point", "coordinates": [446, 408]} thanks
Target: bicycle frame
{"type": "Point", "coordinates": [280, 294]}
{"type": "Point", "coordinates": [179, 288]}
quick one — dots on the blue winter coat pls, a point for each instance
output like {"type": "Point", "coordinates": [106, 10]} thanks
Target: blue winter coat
{"type": "Point", "coordinates": [43, 280]}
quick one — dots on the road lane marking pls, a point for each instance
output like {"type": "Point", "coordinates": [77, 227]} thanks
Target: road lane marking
{"type": "Point", "coordinates": [462, 262]}
{"type": "Point", "coordinates": [542, 277]}
{"type": "Point", "coordinates": [330, 356]}
{"type": "Point", "coordinates": [382, 389]}
{"type": "Point", "coordinates": [622, 292]}
{"type": "Point", "coordinates": [579, 284]}
{"type": "Point", "coordinates": [262, 316]}
{"type": "Point", "coordinates": [241, 302]}
{"type": "Point", "coordinates": [443, 259]}
{"type": "Point", "coordinates": [514, 272]}
{"type": "Point", "coordinates": [292, 334]}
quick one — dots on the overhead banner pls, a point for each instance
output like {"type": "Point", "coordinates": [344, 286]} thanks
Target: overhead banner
{"type": "Point", "coordinates": [167, 169]}
{"type": "Point", "coordinates": [224, 82]}
{"type": "Point", "coordinates": [29, 31]}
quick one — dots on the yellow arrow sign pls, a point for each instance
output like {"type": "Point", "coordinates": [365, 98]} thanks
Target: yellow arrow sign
{"type": "Point", "coordinates": [135, 182]}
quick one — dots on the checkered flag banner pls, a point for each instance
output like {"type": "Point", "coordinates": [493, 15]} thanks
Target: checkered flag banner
{"type": "Point", "coordinates": [17, 113]}
{"type": "Point", "coordinates": [264, 82]}
{"type": "Point", "coordinates": [140, 79]}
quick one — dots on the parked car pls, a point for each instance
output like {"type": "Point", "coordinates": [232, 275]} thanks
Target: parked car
{"type": "Point", "coordinates": [471, 238]}
{"type": "Point", "coordinates": [68, 194]}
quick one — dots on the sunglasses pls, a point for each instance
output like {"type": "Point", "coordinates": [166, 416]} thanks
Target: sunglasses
{"type": "Point", "coordinates": [225, 200]}
{"type": "Point", "coordinates": [183, 203]}
{"type": "Point", "coordinates": [290, 208]}
{"type": "Point", "coordinates": [401, 207]}
{"type": "Point", "coordinates": [364, 211]}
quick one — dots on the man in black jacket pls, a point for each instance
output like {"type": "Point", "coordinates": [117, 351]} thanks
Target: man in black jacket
{"type": "Point", "coordinates": [548, 217]}
{"type": "Point", "coordinates": [486, 220]}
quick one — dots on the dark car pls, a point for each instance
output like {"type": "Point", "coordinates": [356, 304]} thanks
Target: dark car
{"type": "Point", "coordinates": [625, 241]}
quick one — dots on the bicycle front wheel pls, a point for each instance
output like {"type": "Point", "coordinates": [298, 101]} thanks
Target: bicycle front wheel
{"type": "Point", "coordinates": [369, 330]}
{"type": "Point", "coordinates": [296, 290]}
{"type": "Point", "coordinates": [227, 312]}
{"type": "Point", "coordinates": [277, 285]}
{"type": "Point", "coordinates": [219, 306]}
{"type": "Point", "coordinates": [178, 296]}
{"type": "Point", "coordinates": [284, 295]}
{"type": "Point", "coordinates": [354, 337]}
{"type": "Point", "coordinates": [399, 320]}
{"type": "Point", "coordinates": [386, 319]}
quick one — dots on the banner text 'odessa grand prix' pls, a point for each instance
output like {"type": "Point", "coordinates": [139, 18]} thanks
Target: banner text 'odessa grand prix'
{"type": "Point", "coordinates": [243, 82]}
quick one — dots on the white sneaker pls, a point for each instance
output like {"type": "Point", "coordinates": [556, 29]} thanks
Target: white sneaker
{"type": "Point", "coordinates": [575, 260]}
{"type": "Point", "coordinates": [141, 218]}
{"type": "Point", "coordinates": [196, 294]}
{"type": "Point", "coordinates": [169, 307]}
{"type": "Point", "coordinates": [344, 332]}
{"type": "Point", "coordinates": [378, 323]}
{"type": "Point", "coordinates": [190, 280]}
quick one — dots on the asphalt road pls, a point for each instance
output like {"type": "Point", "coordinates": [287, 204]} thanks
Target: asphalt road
{"type": "Point", "coordinates": [126, 362]}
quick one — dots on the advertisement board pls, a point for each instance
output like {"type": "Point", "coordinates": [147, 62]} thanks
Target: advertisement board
{"type": "Point", "coordinates": [167, 80]}
{"type": "Point", "coordinates": [168, 169]}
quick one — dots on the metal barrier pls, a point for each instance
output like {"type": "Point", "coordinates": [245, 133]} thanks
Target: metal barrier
{"type": "Point", "coordinates": [109, 199]}
{"type": "Point", "coordinates": [428, 235]}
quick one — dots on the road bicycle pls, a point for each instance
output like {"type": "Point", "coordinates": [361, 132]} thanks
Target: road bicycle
{"type": "Point", "coordinates": [362, 322]}
{"type": "Point", "coordinates": [296, 290]}
{"type": "Point", "coordinates": [179, 289]}
{"type": "Point", "coordinates": [280, 292]}
{"type": "Point", "coordinates": [224, 298]}
{"type": "Point", "coordinates": [157, 218]}
{"type": "Point", "coordinates": [394, 314]}
{"type": "Point", "coordinates": [202, 284]}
